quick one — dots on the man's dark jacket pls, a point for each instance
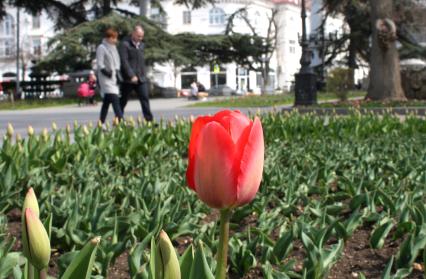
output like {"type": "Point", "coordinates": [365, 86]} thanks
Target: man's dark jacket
{"type": "Point", "coordinates": [132, 60]}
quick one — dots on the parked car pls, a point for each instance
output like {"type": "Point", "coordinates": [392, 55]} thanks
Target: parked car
{"type": "Point", "coordinates": [221, 90]}
{"type": "Point", "coordinates": [157, 91]}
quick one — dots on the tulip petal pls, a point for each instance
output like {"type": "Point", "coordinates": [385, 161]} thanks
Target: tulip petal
{"type": "Point", "coordinates": [233, 121]}
{"type": "Point", "coordinates": [195, 131]}
{"type": "Point", "coordinates": [251, 165]}
{"type": "Point", "coordinates": [37, 241]}
{"type": "Point", "coordinates": [31, 202]}
{"type": "Point", "coordinates": [215, 177]}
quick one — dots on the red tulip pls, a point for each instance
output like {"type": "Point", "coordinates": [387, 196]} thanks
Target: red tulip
{"type": "Point", "coordinates": [226, 154]}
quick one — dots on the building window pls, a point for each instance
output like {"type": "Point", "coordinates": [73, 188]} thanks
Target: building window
{"type": "Point", "coordinates": [6, 48]}
{"type": "Point", "coordinates": [188, 76]}
{"type": "Point", "coordinates": [257, 18]}
{"type": "Point", "coordinates": [157, 16]}
{"type": "Point", "coordinates": [7, 26]}
{"type": "Point", "coordinates": [155, 11]}
{"type": "Point", "coordinates": [36, 22]}
{"type": "Point", "coordinates": [186, 17]}
{"type": "Point", "coordinates": [259, 80]}
{"type": "Point", "coordinates": [37, 47]}
{"type": "Point", "coordinates": [292, 46]}
{"type": "Point", "coordinates": [218, 78]}
{"type": "Point", "coordinates": [216, 16]}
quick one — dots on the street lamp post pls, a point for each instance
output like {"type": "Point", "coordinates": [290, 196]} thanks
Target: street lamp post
{"type": "Point", "coordinates": [18, 34]}
{"type": "Point", "coordinates": [305, 87]}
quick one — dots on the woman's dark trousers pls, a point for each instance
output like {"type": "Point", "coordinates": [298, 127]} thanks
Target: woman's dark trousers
{"type": "Point", "coordinates": [115, 101]}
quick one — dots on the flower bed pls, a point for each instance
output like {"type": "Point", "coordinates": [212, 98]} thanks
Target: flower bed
{"type": "Point", "coordinates": [340, 197]}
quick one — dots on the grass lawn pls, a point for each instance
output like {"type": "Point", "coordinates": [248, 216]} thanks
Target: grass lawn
{"type": "Point", "coordinates": [267, 100]}
{"type": "Point", "coordinates": [375, 104]}
{"type": "Point", "coordinates": [31, 104]}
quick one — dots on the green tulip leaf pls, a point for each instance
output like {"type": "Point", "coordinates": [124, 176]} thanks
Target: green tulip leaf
{"type": "Point", "coordinates": [200, 268]}
{"type": "Point", "coordinates": [379, 235]}
{"type": "Point", "coordinates": [186, 262]}
{"type": "Point", "coordinates": [48, 225]}
{"type": "Point", "coordinates": [82, 264]}
{"type": "Point", "coordinates": [283, 245]}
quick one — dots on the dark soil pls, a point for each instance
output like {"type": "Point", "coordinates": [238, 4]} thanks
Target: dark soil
{"type": "Point", "coordinates": [357, 256]}
{"type": "Point", "coordinates": [120, 268]}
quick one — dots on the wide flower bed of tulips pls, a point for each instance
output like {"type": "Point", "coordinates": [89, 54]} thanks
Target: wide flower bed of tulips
{"type": "Point", "coordinates": [339, 197]}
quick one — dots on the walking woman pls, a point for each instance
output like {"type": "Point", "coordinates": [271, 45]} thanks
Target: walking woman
{"type": "Point", "coordinates": [108, 65]}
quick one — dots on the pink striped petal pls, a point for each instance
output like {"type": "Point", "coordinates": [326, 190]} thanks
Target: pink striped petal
{"type": "Point", "coordinates": [195, 131]}
{"type": "Point", "coordinates": [215, 177]}
{"type": "Point", "coordinates": [251, 165]}
{"type": "Point", "coordinates": [233, 121]}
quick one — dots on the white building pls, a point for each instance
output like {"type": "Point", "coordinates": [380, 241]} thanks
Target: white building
{"type": "Point", "coordinates": [35, 31]}
{"type": "Point", "coordinates": [211, 19]}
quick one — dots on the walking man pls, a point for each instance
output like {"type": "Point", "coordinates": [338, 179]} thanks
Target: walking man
{"type": "Point", "coordinates": [133, 71]}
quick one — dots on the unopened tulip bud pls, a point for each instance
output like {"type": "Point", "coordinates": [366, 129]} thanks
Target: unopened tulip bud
{"type": "Point", "coordinates": [30, 131]}
{"type": "Point", "coordinates": [168, 262]}
{"type": "Point", "coordinates": [131, 121]}
{"type": "Point", "coordinates": [192, 118]}
{"type": "Point", "coordinates": [37, 244]}
{"type": "Point", "coordinates": [99, 124]}
{"type": "Point", "coordinates": [68, 129]}
{"type": "Point", "coordinates": [95, 240]}
{"type": "Point", "coordinates": [18, 137]}
{"type": "Point", "coordinates": [58, 138]}
{"type": "Point", "coordinates": [85, 130]}
{"type": "Point", "coordinates": [115, 122]}
{"type": "Point", "coordinates": [140, 120]}
{"type": "Point", "coordinates": [10, 130]}
{"type": "Point", "coordinates": [90, 124]}
{"type": "Point", "coordinates": [45, 134]}
{"type": "Point", "coordinates": [75, 124]}
{"type": "Point", "coordinates": [54, 126]}
{"type": "Point", "coordinates": [31, 202]}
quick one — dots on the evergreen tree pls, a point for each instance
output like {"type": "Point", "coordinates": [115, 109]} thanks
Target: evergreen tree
{"type": "Point", "coordinates": [75, 48]}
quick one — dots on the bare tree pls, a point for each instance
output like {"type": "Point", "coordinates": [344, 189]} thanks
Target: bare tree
{"type": "Point", "coordinates": [262, 63]}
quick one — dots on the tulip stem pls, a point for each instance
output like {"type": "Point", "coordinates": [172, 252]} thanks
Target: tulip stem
{"type": "Point", "coordinates": [30, 270]}
{"type": "Point", "coordinates": [43, 274]}
{"type": "Point", "coordinates": [222, 253]}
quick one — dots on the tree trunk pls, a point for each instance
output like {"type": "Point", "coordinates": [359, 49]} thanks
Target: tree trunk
{"type": "Point", "coordinates": [385, 77]}
{"type": "Point", "coordinates": [106, 7]}
{"type": "Point", "coordinates": [352, 65]}
{"type": "Point", "coordinates": [265, 76]}
{"type": "Point", "coordinates": [143, 8]}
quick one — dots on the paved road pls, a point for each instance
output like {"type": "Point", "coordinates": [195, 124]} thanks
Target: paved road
{"type": "Point", "coordinates": [43, 117]}
{"type": "Point", "coordinates": [162, 108]}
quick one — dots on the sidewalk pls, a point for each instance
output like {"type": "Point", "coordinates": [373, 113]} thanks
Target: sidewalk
{"type": "Point", "coordinates": [132, 106]}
